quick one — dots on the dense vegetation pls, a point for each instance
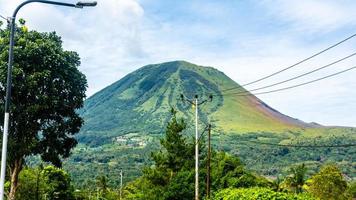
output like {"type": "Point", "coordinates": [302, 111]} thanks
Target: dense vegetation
{"type": "Point", "coordinates": [171, 176]}
{"type": "Point", "coordinates": [263, 159]}
{"type": "Point", "coordinates": [258, 194]}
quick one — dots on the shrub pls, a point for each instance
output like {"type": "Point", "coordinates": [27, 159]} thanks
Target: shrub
{"type": "Point", "coordinates": [258, 194]}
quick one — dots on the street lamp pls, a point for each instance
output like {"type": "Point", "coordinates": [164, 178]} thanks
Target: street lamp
{"type": "Point", "coordinates": [9, 78]}
{"type": "Point", "coordinates": [85, 4]}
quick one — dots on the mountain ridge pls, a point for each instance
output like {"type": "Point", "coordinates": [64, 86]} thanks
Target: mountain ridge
{"type": "Point", "coordinates": [150, 91]}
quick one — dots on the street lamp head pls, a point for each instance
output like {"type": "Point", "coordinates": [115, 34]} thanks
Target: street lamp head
{"type": "Point", "coordinates": [81, 4]}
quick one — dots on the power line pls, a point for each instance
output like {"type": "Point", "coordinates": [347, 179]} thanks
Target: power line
{"type": "Point", "coordinates": [243, 142]}
{"type": "Point", "coordinates": [4, 18]}
{"type": "Point", "coordinates": [202, 133]}
{"type": "Point", "coordinates": [296, 77]}
{"type": "Point", "coordinates": [290, 87]}
{"type": "Point", "coordinates": [300, 62]}
{"type": "Point", "coordinates": [302, 146]}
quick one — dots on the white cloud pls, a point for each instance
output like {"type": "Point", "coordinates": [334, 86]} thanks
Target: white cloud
{"type": "Point", "coordinates": [313, 15]}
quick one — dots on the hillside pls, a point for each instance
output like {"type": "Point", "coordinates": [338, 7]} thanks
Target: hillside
{"type": "Point", "coordinates": [124, 121]}
{"type": "Point", "coordinates": [140, 102]}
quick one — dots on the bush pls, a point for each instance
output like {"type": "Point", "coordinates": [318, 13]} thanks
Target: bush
{"type": "Point", "coordinates": [329, 183]}
{"type": "Point", "coordinates": [257, 194]}
{"type": "Point", "coordinates": [352, 189]}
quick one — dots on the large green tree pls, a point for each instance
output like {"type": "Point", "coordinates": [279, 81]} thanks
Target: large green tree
{"type": "Point", "coordinates": [44, 183]}
{"type": "Point", "coordinates": [229, 172]}
{"type": "Point", "coordinates": [47, 89]}
{"type": "Point", "coordinates": [31, 184]}
{"type": "Point", "coordinates": [57, 184]}
{"type": "Point", "coordinates": [172, 175]}
{"type": "Point", "coordinates": [328, 184]}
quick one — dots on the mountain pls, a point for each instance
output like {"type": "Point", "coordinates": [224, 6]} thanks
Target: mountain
{"type": "Point", "coordinates": [124, 121]}
{"type": "Point", "coordinates": [140, 102]}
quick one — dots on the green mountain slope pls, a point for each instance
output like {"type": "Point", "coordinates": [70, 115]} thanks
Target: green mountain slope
{"type": "Point", "coordinates": [124, 121]}
{"type": "Point", "coordinates": [139, 102]}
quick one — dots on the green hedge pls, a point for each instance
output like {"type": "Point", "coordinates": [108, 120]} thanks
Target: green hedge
{"type": "Point", "coordinates": [258, 194]}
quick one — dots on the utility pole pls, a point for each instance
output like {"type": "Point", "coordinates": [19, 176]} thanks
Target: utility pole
{"type": "Point", "coordinates": [196, 150]}
{"type": "Point", "coordinates": [196, 103]}
{"type": "Point", "coordinates": [37, 183]}
{"type": "Point", "coordinates": [120, 184]}
{"type": "Point", "coordinates": [208, 165]}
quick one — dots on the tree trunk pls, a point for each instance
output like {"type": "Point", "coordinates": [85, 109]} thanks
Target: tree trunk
{"type": "Point", "coordinates": [15, 171]}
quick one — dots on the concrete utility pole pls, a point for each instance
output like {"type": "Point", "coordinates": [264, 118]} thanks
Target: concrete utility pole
{"type": "Point", "coordinates": [12, 22]}
{"type": "Point", "coordinates": [120, 184]}
{"type": "Point", "coordinates": [208, 165]}
{"type": "Point", "coordinates": [196, 103]}
{"type": "Point", "coordinates": [196, 150]}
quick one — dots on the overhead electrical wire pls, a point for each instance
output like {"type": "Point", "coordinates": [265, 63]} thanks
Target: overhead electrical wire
{"type": "Point", "coordinates": [298, 63]}
{"type": "Point", "coordinates": [289, 87]}
{"type": "Point", "coordinates": [302, 146]}
{"type": "Point", "coordinates": [4, 18]}
{"type": "Point", "coordinates": [243, 142]}
{"type": "Point", "coordinates": [296, 77]}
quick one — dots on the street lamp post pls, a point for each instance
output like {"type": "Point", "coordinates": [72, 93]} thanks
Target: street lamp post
{"type": "Point", "coordinates": [9, 78]}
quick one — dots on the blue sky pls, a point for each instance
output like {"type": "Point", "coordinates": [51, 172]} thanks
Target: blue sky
{"type": "Point", "coordinates": [244, 39]}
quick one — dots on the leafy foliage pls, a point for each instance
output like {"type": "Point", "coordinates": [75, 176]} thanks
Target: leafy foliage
{"type": "Point", "coordinates": [57, 183]}
{"type": "Point", "coordinates": [228, 171]}
{"type": "Point", "coordinates": [176, 152]}
{"type": "Point", "coordinates": [297, 178]}
{"type": "Point", "coordinates": [172, 173]}
{"type": "Point", "coordinates": [328, 184]}
{"type": "Point", "coordinates": [31, 184]}
{"type": "Point", "coordinates": [352, 189]}
{"type": "Point", "coordinates": [257, 194]}
{"type": "Point", "coordinates": [41, 183]}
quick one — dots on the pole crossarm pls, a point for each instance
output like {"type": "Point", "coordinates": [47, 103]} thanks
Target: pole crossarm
{"type": "Point", "coordinates": [192, 101]}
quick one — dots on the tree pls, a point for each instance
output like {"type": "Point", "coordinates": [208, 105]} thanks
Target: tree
{"type": "Point", "coordinates": [352, 189]}
{"type": "Point", "coordinates": [276, 184]}
{"type": "Point", "coordinates": [228, 171]}
{"type": "Point", "coordinates": [172, 175]}
{"type": "Point", "coordinates": [47, 90]}
{"type": "Point", "coordinates": [176, 152]}
{"type": "Point", "coordinates": [44, 183]}
{"type": "Point", "coordinates": [31, 184]}
{"type": "Point", "coordinates": [328, 184]}
{"type": "Point", "coordinates": [58, 183]}
{"type": "Point", "coordinates": [102, 184]}
{"type": "Point", "coordinates": [296, 179]}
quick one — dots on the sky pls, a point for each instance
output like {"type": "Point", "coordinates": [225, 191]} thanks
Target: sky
{"type": "Point", "coordinates": [245, 39]}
